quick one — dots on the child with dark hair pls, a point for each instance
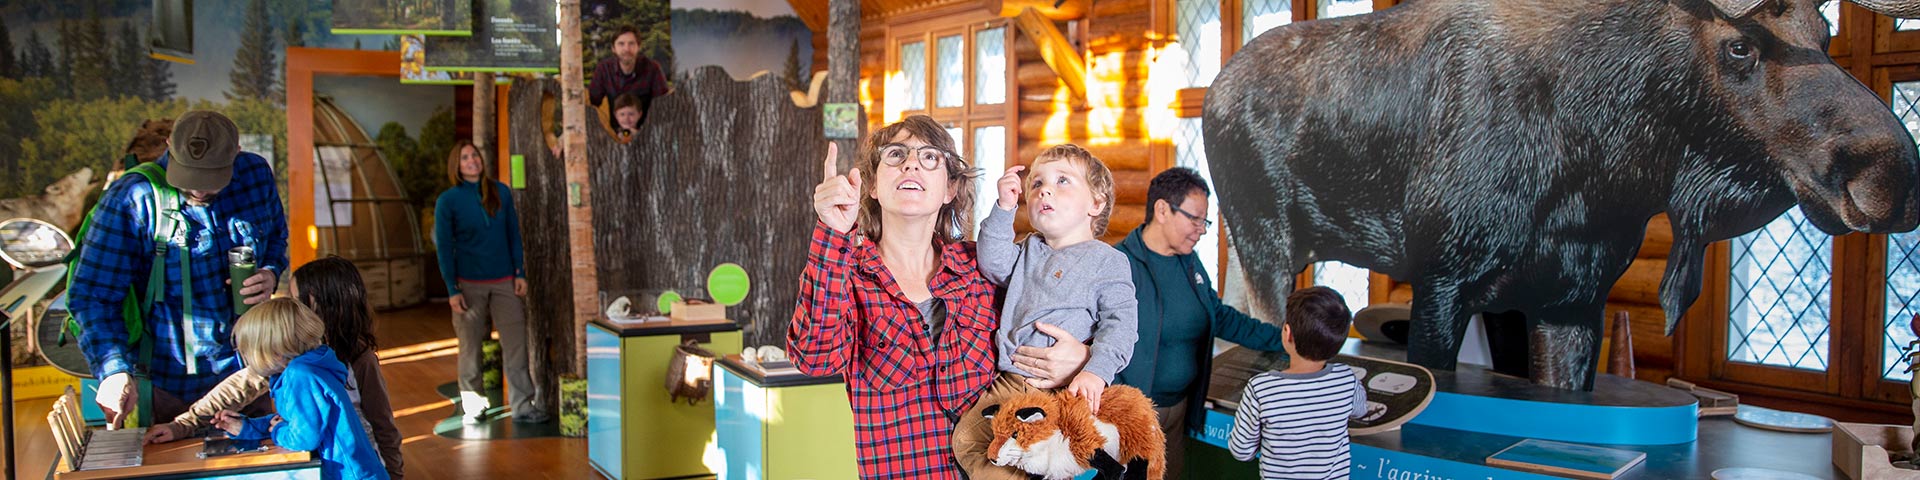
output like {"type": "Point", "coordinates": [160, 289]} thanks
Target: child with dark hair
{"type": "Point", "coordinates": [1295, 420]}
{"type": "Point", "coordinates": [628, 112]}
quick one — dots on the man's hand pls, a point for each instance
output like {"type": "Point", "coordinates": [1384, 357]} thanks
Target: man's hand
{"type": "Point", "coordinates": [1090, 387]}
{"type": "Point", "coordinates": [458, 302]}
{"type": "Point", "coordinates": [1009, 187]}
{"type": "Point", "coordinates": [519, 287]}
{"type": "Point", "coordinates": [117, 397]}
{"type": "Point", "coordinates": [259, 287]}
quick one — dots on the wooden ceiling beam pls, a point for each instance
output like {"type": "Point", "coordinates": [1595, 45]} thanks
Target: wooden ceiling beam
{"type": "Point", "coordinates": [1056, 51]}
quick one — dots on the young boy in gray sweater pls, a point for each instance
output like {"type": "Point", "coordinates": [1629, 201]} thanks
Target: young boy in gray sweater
{"type": "Point", "coordinates": [1061, 276]}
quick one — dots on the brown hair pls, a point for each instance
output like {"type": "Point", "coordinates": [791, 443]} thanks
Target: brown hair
{"type": "Point", "coordinates": [274, 332]}
{"type": "Point", "coordinates": [332, 288]}
{"type": "Point", "coordinates": [489, 196]}
{"type": "Point", "coordinates": [955, 221]}
{"type": "Point", "coordinates": [1319, 319]}
{"type": "Point", "coordinates": [1099, 178]}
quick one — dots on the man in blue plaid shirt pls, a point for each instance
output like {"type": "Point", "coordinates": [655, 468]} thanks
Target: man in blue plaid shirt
{"type": "Point", "coordinates": [228, 200]}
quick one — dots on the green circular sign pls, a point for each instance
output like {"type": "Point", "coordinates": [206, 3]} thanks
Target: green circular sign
{"type": "Point", "coordinates": [728, 284]}
{"type": "Point", "coordinates": [667, 300]}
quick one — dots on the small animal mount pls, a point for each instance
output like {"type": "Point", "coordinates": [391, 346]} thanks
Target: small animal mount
{"type": "Point", "coordinates": [690, 373]}
{"type": "Point", "coordinates": [1053, 435]}
{"type": "Point", "coordinates": [60, 204]}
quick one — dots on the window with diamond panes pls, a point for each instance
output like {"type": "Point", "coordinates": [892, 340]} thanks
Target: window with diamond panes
{"type": "Point", "coordinates": [1903, 261]}
{"type": "Point", "coordinates": [1262, 15]}
{"type": "Point", "coordinates": [1341, 8]}
{"type": "Point", "coordinates": [950, 72]}
{"type": "Point", "coordinates": [913, 66]}
{"type": "Point", "coordinates": [990, 66]}
{"type": "Point", "coordinates": [1780, 294]}
{"type": "Point", "coordinates": [1190, 151]}
{"type": "Point", "coordinates": [1903, 24]}
{"type": "Point", "coordinates": [1831, 11]}
{"type": "Point", "coordinates": [990, 156]}
{"type": "Point", "coordinates": [1197, 22]}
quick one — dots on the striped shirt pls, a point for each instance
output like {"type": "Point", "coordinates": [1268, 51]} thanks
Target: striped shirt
{"type": "Point", "coordinates": [1297, 422]}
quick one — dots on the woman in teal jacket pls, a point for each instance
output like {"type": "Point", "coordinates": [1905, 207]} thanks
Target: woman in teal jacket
{"type": "Point", "coordinates": [477, 233]}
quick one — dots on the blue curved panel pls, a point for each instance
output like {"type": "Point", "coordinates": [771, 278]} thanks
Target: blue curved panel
{"type": "Point", "coordinates": [1562, 421]}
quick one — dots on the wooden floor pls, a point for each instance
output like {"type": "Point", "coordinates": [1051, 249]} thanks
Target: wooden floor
{"type": "Point", "coordinates": [417, 351]}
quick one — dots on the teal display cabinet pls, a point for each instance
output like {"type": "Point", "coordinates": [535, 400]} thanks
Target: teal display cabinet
{"type": "Point", "coordinates": [634, 430]}
{"type": "Point", "coordinates": [780, 424]}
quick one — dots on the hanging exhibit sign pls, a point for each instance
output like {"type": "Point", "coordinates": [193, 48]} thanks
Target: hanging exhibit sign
{"type": "Point", "coordinates": [400, 17]}
{"type": "Point", "coordinates": [1512, 177]}
{"type": "Point", "coordinates": [170, 32]}
{"type": "Point", "coordinates": [413, 71]}
{"type": "Point", "coordinates": [508, 36]}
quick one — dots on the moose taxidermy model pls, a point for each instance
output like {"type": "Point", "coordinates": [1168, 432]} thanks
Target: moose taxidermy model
{"type": "Point", "coordinates": [1505, 155]}
{"type": "Point", "coordinates": [1053, 435]}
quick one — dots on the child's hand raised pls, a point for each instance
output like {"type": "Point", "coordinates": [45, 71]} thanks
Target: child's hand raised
{"type": "Point", "coordinates": [1090, 387]}
{"type": "Point", "coordinates": [1009, 187]}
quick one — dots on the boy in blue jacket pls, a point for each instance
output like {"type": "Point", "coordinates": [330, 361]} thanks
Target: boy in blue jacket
{"type": "Point", "coordinates": [284, 341]}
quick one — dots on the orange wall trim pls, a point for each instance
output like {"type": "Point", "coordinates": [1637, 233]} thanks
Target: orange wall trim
{"type": "Point", "coordinates": [302, 64]}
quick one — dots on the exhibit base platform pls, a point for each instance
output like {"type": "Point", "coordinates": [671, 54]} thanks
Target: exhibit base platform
{"type": "Point", "coordinates": [1477, 413]}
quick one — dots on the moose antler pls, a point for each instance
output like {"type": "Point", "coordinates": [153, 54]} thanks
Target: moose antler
{"type": "Point", "coordinates": [1892, 8]}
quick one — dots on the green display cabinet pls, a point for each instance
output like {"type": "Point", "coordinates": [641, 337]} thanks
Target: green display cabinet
{"type": "Point", "coordinates": [634, 429]}
{"type": "Point", "coordinates": [779, 424]}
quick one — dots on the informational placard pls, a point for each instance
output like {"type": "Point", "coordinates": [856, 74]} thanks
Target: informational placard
{"type": "Point", "coordinates": [842, 120]}
{"type": "Point", "coordinates": [400, 17]}
{"type": "Point", "coordinates": [508, 36]}
{"type": "Point", "coordinates": [413, 63]}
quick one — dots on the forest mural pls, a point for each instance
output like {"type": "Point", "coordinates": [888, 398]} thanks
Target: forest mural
{"type": "Point", "coordinates": [76, 80]}
{"type": "Point", "coordinates": [743, 37]}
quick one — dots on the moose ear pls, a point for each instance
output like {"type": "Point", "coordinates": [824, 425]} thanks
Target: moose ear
{"type": "Point", "coordinates": [990, 411]}
{"type": "Point", "coordinates": [1736, 8]}
{"type": "Point", "coordinates": [1031, 414]}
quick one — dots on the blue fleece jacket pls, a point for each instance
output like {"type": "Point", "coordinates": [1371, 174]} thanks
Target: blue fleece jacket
{"type": "Point", "coordinates": [316, 415]}
{"type": "Point", "coordinates": [472, 244]}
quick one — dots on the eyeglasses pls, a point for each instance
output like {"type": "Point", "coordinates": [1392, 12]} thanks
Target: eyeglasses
{"type": "Point", "coordinates": [1198, 221]}
{"type": "Point", "coordinates": [930, 157]}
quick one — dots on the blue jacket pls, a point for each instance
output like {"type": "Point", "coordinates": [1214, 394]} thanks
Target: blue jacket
{"type": "Point", "coordinates": [119, 252]}
{"type": "Point", "coordinates": [472, 244]}
{"type": "Point", "coordinates": [316, 415]}
{"type": "Point", "coordinates": [1223, 322]}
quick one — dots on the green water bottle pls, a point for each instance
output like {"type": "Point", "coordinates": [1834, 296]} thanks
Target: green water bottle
{"type": "Point", "coordinates": [240, 266]}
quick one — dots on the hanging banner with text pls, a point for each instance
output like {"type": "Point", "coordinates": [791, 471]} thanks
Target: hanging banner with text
{"type": "Point", "coordinates": [508, 36]}
{"type": "Point", "coordinates": [391, 17]}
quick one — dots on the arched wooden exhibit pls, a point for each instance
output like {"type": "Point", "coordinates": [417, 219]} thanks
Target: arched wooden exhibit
{"type": "Point", "coordinates": [370, 220]}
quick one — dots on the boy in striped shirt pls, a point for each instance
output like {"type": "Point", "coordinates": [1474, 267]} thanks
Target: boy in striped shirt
{"type": "Point", "coordinates": [1296, 419]}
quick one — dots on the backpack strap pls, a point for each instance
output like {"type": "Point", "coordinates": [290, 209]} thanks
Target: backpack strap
{"type": "Point", "coordinates": [167, 225]}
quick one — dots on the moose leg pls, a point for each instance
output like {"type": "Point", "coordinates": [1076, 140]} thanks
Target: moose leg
{"type": "Point", "coordinates": [1564, 346]}
{"type": "Point", "coordinates": [1438, 324]}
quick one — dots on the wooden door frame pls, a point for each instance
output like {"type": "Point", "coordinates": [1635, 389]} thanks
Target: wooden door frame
{"type": "Point", "coordinates": [302, 65]}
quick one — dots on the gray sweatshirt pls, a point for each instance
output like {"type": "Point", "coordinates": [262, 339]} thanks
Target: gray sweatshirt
{"type": "Point", "coordinates": [1085, 289]}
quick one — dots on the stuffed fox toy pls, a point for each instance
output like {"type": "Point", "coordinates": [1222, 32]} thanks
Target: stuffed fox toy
{"type": "Point", "coordinates": [1052, 435]}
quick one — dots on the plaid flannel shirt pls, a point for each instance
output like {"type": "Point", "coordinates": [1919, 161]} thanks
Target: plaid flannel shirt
{"type": "Point", "coordinates": [119, 251]}
{"type": "Point", "coordinates": [907, 387]}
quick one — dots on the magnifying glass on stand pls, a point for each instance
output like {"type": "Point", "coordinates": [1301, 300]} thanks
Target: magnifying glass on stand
{"type": "Point", "coordinates": [36, 252]}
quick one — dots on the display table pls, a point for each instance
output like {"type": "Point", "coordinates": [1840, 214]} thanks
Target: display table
{"type": "Point", "coordinates": [781, 424]}
{"type": "Point", "coordinates": [1477, 413]}
{"type": "Point", "coordinates": [182, 460]}
{"type": "Point", "coordinates": [634, 429]}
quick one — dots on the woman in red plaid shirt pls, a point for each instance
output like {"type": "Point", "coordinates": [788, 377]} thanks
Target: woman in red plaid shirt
{"type": "Point", "coordinates": [893, 301]}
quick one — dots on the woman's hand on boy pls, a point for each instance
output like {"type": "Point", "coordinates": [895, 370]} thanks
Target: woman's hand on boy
{"type": "Point", "coordinates": [1090, 387]}
{"type": "Point", "coordinates": [1009, 187]}
{"type": "Point", "coordinates": [1053, 366]}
